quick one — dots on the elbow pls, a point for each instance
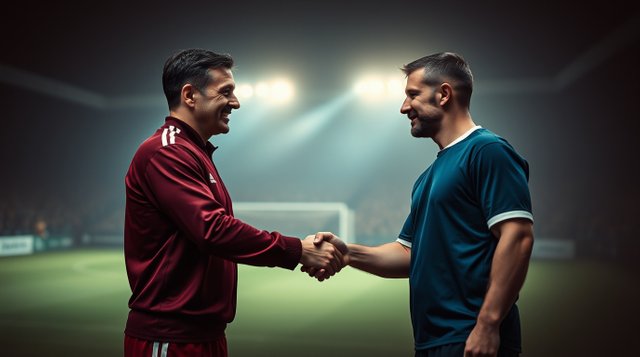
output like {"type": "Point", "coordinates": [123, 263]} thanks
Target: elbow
{"type": "Point", "coordinates": [211, 230]}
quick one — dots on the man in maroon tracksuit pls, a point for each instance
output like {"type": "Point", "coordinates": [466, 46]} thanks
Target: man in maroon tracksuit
{"type": "Point", "coordinates": [181, 241]}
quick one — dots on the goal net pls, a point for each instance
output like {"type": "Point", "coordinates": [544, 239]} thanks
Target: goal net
{"type": "Point", "coordinates": [299, 218]}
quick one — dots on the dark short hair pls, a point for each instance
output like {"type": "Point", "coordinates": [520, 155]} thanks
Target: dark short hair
{"type": "Point", "coordinates": [190, 66]}
{"type": "Point", "coordinates": [443, 67]}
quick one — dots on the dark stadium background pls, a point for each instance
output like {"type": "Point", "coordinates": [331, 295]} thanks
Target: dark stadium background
{"type": "Point", "coordinates": [80, 89]}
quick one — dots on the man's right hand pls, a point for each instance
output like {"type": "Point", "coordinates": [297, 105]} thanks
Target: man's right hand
{"type": "Point", "coordinates": [322, 256]}
{"type": "Point", "coordinates": [327, 238]}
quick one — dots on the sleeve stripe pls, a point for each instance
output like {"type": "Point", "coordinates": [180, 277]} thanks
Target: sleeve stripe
{"type": "Point", "coordinates": [508, 215]}
{"type": "Point", "coordinates": [404, 242]}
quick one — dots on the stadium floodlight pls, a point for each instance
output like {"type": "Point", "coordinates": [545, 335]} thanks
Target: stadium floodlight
{"type": "Point", "coordinates": [262, 90]}
{"type": "Point", "coordinates": [244, 91]}
{"type": "Point", "coordinates": [376, 88]}
{"type": "Point", "coordinates": [281, 91]}
{"type": "Point", "coordinates": [370, 87]}
{"type": "Point", "coordinates": [277, 91]}
{"type": "Point", "coordinates": [395, 86]}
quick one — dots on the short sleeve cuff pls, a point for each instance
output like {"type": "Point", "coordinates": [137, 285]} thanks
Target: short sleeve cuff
{"type": "Point", "coordinates": [404, 242]}
{"type": "Point", "coordinates": [509, 215]}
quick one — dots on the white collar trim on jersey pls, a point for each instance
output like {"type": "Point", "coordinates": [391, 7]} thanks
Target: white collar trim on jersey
{"type": "Point", "coordinates": [463, 136]}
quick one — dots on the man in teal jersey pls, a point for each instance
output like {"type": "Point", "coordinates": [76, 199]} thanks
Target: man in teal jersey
{"type": "Point", "coordinates": [466, 243]}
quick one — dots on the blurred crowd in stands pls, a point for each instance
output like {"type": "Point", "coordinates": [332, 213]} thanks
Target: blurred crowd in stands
{"type": "Point", "coordinates": [36, 215]}
{"type": "Point", "coordinates": [42, 217]}
{"type": "Point", "coordinates": [379, 216]}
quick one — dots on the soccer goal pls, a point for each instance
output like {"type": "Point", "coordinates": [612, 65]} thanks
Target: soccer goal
{"type": "Point", "coordinates": [299, 218]}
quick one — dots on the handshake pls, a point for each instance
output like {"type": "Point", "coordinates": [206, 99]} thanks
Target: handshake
{"type": "Point", "coordinates": [323, 255]}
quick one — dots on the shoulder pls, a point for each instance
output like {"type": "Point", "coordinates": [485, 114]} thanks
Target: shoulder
{"type": "Point", "coordinates": [167, 144]}
{"type": "Point", "coordinates": [483, 137]}
{"type": "Point", "coordinates": [486, 144]}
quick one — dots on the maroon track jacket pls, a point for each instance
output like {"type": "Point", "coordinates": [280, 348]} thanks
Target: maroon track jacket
{"type": "Point", "coordinates": [182, 243]}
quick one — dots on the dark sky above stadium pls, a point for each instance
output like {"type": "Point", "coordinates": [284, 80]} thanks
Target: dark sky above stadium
{"type": "Point", "coordinates": [116, 48]}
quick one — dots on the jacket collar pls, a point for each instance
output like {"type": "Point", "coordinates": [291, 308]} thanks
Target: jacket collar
{"type": "Point", "coordinates": [191, 134]}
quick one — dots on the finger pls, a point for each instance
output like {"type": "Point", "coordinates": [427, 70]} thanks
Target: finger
{"type": "Point", "coordinates": [325, 276]}
{"type": "Point", "coordinates": [336, 241]}
{"type": "Point", "coordinates": [338, 261]}
{"type": "Point", "coordinates": [335, 260]}
{"type": "Point", "coordinates": [330, 267]}
{"type": "Point", "coordinates": [320, 236]}
{"type": "Point", "coordinates": [320, 273]}
{"type": "Point", "coordinates": [312, 271]}
{"type": "Point", "coordinates": [309, 270]}
{"type": "Point", "coordinates": [326, 258]}
{"type": "Point", "coordinates": [329, 270]}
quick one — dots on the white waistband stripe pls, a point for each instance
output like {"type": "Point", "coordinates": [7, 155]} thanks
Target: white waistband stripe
{"type": "Point", "coordinates": [154, 353]}
{"type": "Point", "coordinates": [165, 348]}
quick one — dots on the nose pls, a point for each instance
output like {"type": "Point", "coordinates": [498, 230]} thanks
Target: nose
{"type": "Point", "coordinates": [405, 108]}
{"type": "Point", "coordinates": [234, 102]}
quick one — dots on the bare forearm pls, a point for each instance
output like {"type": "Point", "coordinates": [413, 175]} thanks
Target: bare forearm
{"type": "Point", "coordinates": [389, 260]}
{"type": "Point", "coordinates": [508, 272]}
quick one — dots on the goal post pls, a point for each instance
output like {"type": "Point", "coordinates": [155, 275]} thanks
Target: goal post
{"type": "Point", "coordinates": [299, 218]}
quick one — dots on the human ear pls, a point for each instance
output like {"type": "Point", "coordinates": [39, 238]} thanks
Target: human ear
{"type": "Point", "coordinates": [445, 94]}
{"type": "Point", "coordinates": [187, 95]}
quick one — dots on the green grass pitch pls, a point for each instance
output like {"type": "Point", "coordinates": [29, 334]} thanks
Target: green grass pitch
{"type": "Point", "coordinates": [75, 304]}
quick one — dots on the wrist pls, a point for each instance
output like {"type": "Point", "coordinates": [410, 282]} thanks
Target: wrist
{"type": "Point", "coordinates": [352, 257]}
{"type": "Point", "coordinates": [306, 245]}
{"type": "Point", "coordinates": [488, 320]}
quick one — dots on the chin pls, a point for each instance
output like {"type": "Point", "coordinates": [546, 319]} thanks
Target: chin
{"type": "Point", "coordinates": [425, 128]}
{"type": "Point", "coordinates": [418, 133]}
{"type": "Point", "coordinates": [223, 129]}
{"type": "Point", "coordinates": [219, 131]}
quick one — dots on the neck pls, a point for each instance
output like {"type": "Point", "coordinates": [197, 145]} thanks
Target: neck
{"type": "Point", "coordinates": [188, 118]}
{"type": "Point", "coordinates": [453, 126]}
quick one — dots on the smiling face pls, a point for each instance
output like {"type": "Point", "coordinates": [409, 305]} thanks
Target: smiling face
{"type": "Point", "coordinates": [421, 106]}
{"type": "Point", "coordinates": [214, 104]}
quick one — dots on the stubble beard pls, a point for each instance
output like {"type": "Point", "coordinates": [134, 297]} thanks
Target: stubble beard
{"type": "Point", "coordinates": [426, 126]}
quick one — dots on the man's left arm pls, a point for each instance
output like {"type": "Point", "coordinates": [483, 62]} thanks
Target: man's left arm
{"type": "Point", "coordinates": [508, 272]}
